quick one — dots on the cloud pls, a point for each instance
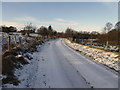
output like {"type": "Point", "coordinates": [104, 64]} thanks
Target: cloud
{"type": "Point", "coordinates": [61, 25]}
{"type": "Point", "coordinates": [58, 24]}
{"type": "Point", "coordinates": [65, 22]}
{"type": "Point", "coordinates": [60, 19]}
{"type": "Point", "coordinates": [26, 19]}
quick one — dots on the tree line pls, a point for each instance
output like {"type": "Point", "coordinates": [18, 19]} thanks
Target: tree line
{"type": "Point", "coordinates": [111, 33]}
{"type": "Point", "coordinates": [109, 36]}
{"type": "Point", "coordinates": [29, 28]}
{"type": "Point", "coordinates": [8, 29]}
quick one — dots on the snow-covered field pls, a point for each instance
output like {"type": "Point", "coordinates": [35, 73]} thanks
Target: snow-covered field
{"type": "Point", "coordinates": [112, 48]}
{"type": "Point", "coordinates": [107, 58]}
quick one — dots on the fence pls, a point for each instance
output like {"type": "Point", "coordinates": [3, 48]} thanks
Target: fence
{"type": "Point", "coordinates": [10, 41]}
{"type": "Point", "coordinates": [96, 44]}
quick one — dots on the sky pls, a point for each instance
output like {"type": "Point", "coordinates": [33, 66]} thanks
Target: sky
{"type": "Point", "coordinates": [80, 16]}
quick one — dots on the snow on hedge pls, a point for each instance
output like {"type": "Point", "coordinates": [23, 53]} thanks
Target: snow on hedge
{"type": "Point", "coordinates": [109, 59]}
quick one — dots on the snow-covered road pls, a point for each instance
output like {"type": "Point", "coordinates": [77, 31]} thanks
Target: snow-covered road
{"type": "Point", "coordinates": [61, 67]}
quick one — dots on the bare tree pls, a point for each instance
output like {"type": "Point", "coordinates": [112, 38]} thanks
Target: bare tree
{"type": "Point", "coordinates": [107, 28]}
{"type": "Point", "coordinates": [117, 27]}
{"type": "Point", "coordinates": [29, 28]}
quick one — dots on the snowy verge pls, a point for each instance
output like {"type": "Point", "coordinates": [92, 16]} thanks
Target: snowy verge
{"type": "Point", "coordinates": [25, 74]}
{"type": "Point", "coordinates": [18, 64]}
{"type": "Point", "coordinates": [109, 59]}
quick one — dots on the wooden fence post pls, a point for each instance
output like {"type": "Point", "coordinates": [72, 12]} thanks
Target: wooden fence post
{"type": "Point", "coordinates": [20, 40]}
{"type": "Point", "coordinates": [25, 38]}
{"type": "Point", "coordinates": [15, 42]}
{"type": "Point", "coordinates": [91, 42]}
{"type": "Point", "coordinates": [106, 45]}
{"type": "Point", "coordinates": [9, 43]}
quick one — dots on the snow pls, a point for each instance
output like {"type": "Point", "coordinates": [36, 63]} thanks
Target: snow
{"type": "Point", "coordinates": [58, 66]}
{"type": "Point", "coordinates": [18, 56]}
{"type": "Point", "coordinates": [110, 47]}
{"type": "Point", "coordinates": [26, 74]}
{"type": "Point", "coordinates": [55, 71]}
{"type": "Point", "coordinates": [113, 48]}
{"type": "Point", "coordinates": [107, 58]}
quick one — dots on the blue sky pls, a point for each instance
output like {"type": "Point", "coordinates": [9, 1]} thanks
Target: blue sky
{"type": "Point", "coordinates": [85, 16]}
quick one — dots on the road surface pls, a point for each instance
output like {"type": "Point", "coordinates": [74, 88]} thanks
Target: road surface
{"type": "Point", "coordinates": [61, 67]}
